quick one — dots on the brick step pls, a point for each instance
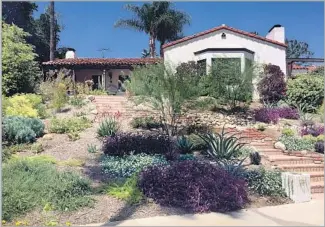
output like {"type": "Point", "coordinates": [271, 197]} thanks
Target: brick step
{"type": "Point", "coordinates": [303, 168]}
{"type": "Point", "coordinates": [317, 187]}
{"type": "Point", "coordinates": [267, 144]}
{"type": "Point", "coordinates": [284, 160]}
{"type": "Point", "coordinates": [316, 176]}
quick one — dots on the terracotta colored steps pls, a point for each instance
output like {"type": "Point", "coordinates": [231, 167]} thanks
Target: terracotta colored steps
{"type": "Point", "coordinates": [303, 168]}
{"type": "Point", "coordinates": [284, 160]}
{"type": "Point", "coordinates": [316, 176]}
{"type": "Point", "coordinates": [317, 187]}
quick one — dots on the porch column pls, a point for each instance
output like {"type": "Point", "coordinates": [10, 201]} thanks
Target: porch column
{"type": "Point", "coordinates": [104, 80]}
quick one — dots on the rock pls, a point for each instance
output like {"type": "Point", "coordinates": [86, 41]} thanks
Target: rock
{"type": "Point", "coordinates": [304, 152]}
{"type": "Point", "coordinates": [279, 145]}
{"type": "Point", "coordinates": [297, 186]}
{"type": "Point", "coordinates": [94, 112]}
{"type": "Point", "coordinates": [48, 136]}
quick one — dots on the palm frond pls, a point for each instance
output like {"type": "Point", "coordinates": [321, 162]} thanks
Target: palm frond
{"type": "Point", "coordinates": [130, 23]}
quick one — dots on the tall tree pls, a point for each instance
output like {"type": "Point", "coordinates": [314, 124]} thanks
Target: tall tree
{"type": "Point", "coordinates": [52, 31]}
{"type": "Point", "coordinates": [297, 49]}
{"type": "Point", "coordinates": [150, 18]}
{"type": "Point", "coordinates": [20, 70]}
{"type": "Point", "coordinates": [171, 29]}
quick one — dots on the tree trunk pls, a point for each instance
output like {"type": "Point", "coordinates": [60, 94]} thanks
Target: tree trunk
{"type": "Point", "coordinates": [52, 31]}
{"type": "Point", "coordinates": [161, 49]}
{"type": "Point", "coordinates": [152, 46]}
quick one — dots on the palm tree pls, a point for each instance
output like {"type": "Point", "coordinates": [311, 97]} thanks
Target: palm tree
{"type": "Point", "coordinates": [171, 29]}
{"type": "Point", "coordinates": [52, 31]}
{"type": "Point", "coordinates": [151, 18]}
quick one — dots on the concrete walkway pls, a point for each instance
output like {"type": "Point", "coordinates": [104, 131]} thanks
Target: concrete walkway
{"type": "Point", "coordinates": [302, 214]}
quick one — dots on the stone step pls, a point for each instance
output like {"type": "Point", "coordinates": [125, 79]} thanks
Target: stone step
{"type": "Point", "coordinates": [268, 144]}
{"type": "Point", "coordinates": [317, 187]}
{"type": "Point", "coordinates": [302, 167]}
{"type": "Point", "coordinates": [316, 176]}
{"type": "Point", "coordinates": [284, 160]}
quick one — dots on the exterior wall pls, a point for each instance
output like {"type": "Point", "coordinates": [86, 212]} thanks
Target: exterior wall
{"type": "Point", "coordinates": [86, 74]}
{"type": "Point", "coordinates": [82, 75]}
{"type": "Point", "coordinates": [265, 52]}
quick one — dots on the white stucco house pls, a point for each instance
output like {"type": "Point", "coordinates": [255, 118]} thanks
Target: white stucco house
{"type": "Point", "coordinates": [227, 42]}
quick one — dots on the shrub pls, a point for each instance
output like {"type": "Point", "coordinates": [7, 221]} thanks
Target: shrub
{"type": "Point", "coordinates": [60, 97]}
{"type": "Point", "coordinates": [261, 127]}
{"type": "Point", "coordinates": [145, 122]}
{"type": "Point", "coordinates": [321, 112]}
{"type": "Point", "coordinates": [255, 158]}
{"type": "Point", "coordinates": [265, 182]}
{"type": "Point", "coordinates": [195, 186]}
{"type": "Point", "coordinates": [22, 130]}
{"type": "Point", "coordinates": [272, 86]}
{"type": "Point", "coordinates": [37, 148]}
{"type": "Point", "coordinates": [287, 113]}
{"type": "Point", "coordinates": [69, 125]}
{"type": "Point", "coordinates": [288, 132]}
{"type": "Point", "coordinates": [29, 184]}
{"type": "Point", "coordinates": [77, 101]}
{"type": "Point", "coordinates": [184, 146]}
{"type": "Point", "coordinates": [20, 105]}
{"type": "Point", "coordinates": [306, 88]}
{"type": "Point", "coordinates": [72, 163]}
{"type": "Point", "coordinates": [293, 143]}
{"type": "Point", "coordinates": [319, 147]}
{"type": "Point", "coordinates": [108, 127]}
{"type": "Point", "coordinates": [91, 148]}
{"type": "Point", "coordinates": [196, 128]}
{"type": "Point", "coordinates": [314, 131]}
{"type": "Point", "coordinates": [126, 143]}
{"type": "Point", "coordinates": [184, 157]}
{"type": "Point", "coordinates": [127, 191]}
{"type": "Point", "coordinates": [126, 166]}
{"type": "Point", "coordinates": [198, 142]}
{"type": "Point", "coordinates": [266, 115]}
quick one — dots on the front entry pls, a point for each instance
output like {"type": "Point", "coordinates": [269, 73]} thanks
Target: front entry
{"type": "Point", "coordinates": [97, 81]}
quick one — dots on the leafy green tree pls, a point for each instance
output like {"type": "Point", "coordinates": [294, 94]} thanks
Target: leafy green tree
{"type": "Point", "coordinates": [228, 83]}
{"type": "Point", "coordinates": [20, 70]}
{"type": "Point", "coordinates": [21, 14]}
{"type": "Point", "coordinates": [297, 49]}
{"type": "Point", "coordinates": [166, 91]}
{"type": "Point", "coordinates": [154, 19]}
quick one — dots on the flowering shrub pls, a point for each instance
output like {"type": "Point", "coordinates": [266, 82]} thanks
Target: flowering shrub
{"type": "Point", "coordinates": [20, 105]}
{"type": "Point", "coordinates": [272, 86]}
{"type": "Point", "coordinates": [265, 182]}
{"type": "Point", "coordinates": [195, 186]}
{"type": "Point", "coordinates": [293, 143]}
{"type": "Point", "coordinates": [314, 131]}
{"type": "Point", "coordinates": [266, 115]}
{"type": "Point", "coordinates": [108, 127]}
{"type": "Point", "coordinates": [126, 143]}
{"type": "Point", "coordinates": [21, 129]}
{"type": "Point", "coordinates": [272, 115]}
{"type": "Point", "coordinates": [126, 166]}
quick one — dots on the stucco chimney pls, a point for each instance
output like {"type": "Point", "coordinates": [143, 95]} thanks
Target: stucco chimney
{"type": "Point", "coordinates": [71, 53]}
{"type": "Point", "coordinates": [276, 33]}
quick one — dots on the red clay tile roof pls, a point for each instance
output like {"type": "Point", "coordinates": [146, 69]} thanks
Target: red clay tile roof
{"type": "Point", "coordinates": [226, 28]}
{"type": "Point", "coordinates": [103, 61]}
{"type": "Point", "coordinates": [309, 68]}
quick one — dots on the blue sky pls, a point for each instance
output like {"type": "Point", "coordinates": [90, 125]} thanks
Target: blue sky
{"type": "Point", "coordinates": [88, 26]}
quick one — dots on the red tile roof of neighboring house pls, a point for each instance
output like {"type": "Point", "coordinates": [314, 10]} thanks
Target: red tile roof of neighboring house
{"type": "Point", "coordinates": [226, 28]}
{"type": "Point", "coordinates": [309, 68]}
{"type": "Point", "coordinates": [103, 61]}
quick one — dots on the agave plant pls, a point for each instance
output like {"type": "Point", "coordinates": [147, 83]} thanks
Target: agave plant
{"type": "Point", "coordinates": [225, 149]}
{"type": "Point", "coordinates": [108, 127]}
{"type": "Point", "coordinates": [223, 146]}
{"type": "Point", "coordinates": [184, 145]}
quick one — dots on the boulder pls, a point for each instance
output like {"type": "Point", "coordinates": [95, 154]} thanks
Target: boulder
{"type": "Point", "coordinates": [279, 145]}
{"type": "Point", "coordinates": [297, 186]}
{"type": "Point", "coordinates": [48, 136]}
